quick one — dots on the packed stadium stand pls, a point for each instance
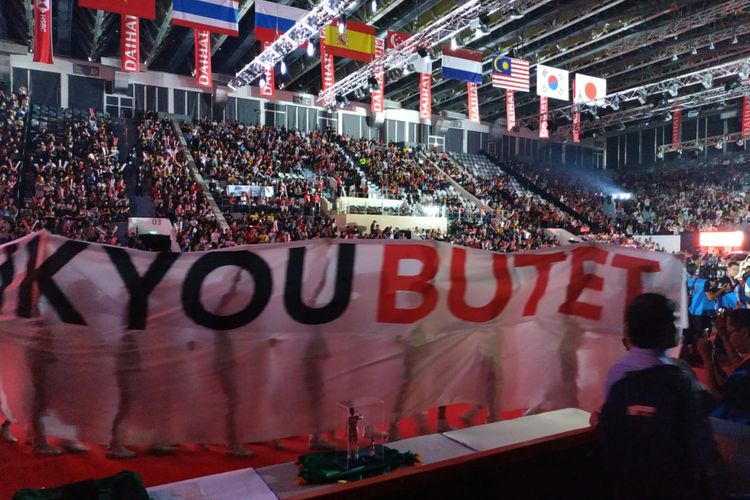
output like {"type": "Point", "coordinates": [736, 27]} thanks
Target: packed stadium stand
{"type": "Point", "coordinates": [290, 249]}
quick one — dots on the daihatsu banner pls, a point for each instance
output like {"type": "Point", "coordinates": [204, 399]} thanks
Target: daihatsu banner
{"type": "Point", "coordinates": [260, 342]}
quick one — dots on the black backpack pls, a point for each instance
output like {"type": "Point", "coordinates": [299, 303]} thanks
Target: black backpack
{"type": "Point", "coordinates": [655, 438]}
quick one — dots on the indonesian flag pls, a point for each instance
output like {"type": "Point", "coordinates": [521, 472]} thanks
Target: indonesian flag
{"type": "Point", "coordinates": [589, 88]}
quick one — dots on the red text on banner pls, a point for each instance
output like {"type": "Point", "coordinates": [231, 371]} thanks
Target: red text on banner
{"type": "Point", "coordinates": [130, 52]}
{"type": "Point", "coordinates": [543, 107]}
{"type": "Point", "coordinates": [676, 125]}
{"type": "Point", "coordinates": [203, 58]}
{"type": "Point", "coordinates": [471, 89]}
{"type": "Point", "coordinates": [510, 109]}
{"type": "Point", "coordinates": [376, 96]}
{"type": "Point", "coordinates": [43, 31]}
{"type": "Point", "coordinates": [269, 76]}
{"type": "Point", "coordinates": [425, 96]}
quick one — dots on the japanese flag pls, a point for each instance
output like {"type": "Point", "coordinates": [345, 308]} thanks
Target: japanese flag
{"type": "Point", "coordinates": [589, 88]}
{"type": "Point", "coordinates": [552, 82]}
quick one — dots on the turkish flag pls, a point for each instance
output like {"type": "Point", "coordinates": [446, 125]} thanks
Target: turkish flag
{"type": "Point", "coordinates": [145, 9]}
{"type": "Point", "coordinates": [395, 38]}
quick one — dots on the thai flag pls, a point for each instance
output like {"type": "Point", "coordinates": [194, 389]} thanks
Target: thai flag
{"type": "Point", "coordinates": [462, 64]}
{"type": "Point", "coordinates": [273, 20]}
{"type": "Point", "coordinates": [217, 16]}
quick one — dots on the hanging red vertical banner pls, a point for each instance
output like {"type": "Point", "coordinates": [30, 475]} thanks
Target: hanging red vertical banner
{"type": "Point", "coordinates": [576, 125]}
{"type": "Point", "coordinates": [130, 51]}
{"type": "Point", "coordinates": [326, 64]}
{"type": "Point", "coordinates": [746, 117]}
{"type": "Point", "coordinates": [377, 96]}
{"type": "Point", "coordinates": [43, 31]}
{"type": "Point", "coordinates": [510, 109]}
{"type": "Point", "coordinates": [676, 125]}
{"type": "Point", "coordinates": [471, 90]}
{"type": "Point", "coordinates": [425, 96]}
{"type": "Point", "coordinates": [543, 107]}
{"type": "Point", "coordinates": [268, 88]}
{"type": "Point", "coordinates": [203, 58]}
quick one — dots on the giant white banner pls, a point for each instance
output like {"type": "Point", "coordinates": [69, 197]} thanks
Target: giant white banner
{"type": "Point", "coordinates": [259, 342]}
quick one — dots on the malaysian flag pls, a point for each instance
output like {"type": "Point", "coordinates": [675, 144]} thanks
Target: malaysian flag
{"type": "Point", "coordinates": [510, 73]}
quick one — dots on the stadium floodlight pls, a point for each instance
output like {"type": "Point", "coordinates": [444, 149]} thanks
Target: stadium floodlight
{"type": "Point", "coordinates": [310, 48]}
{"type": "Point", "coordinates": [342, 25]}
{"type": "Point", "coordinates": [262, 82]}
{"type": "Point", "coordinates": [374, 6]}
{"type": "Point", "coordinates": [283, 68]}
{"type": "Point", "coordinates": [674, 56]}
{"type": "Point", "coordinates": [673, 89]}
{"type": "Point", "coordinates": [614, 103]}
{"type": "Point", "coordinates": [720, 144]}
{"type": "Point", "coordinates": [694, 50]}
{"type": "Point", "coordinates": [642, 96]}
{"type": "Point", "coordinates": [707, 81]}
{"type": "Point", "coordinates": [454, 43]}
{"type": "Point", "coordinates": [744, 72]}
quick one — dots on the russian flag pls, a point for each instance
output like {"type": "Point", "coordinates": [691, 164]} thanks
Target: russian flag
{"type": "Point", "coordinates": [462, 64]}
{"type": "Point", "coordinates": [273, 20]}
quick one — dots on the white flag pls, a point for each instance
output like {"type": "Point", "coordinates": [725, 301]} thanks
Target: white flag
{"type": "Point", "coordinates": [552, 82]}
{"type": "Point", "coordinates": [589, 88]}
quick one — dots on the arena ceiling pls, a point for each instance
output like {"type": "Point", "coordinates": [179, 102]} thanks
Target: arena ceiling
{"type": "Point", "coordinates": [630, 42]}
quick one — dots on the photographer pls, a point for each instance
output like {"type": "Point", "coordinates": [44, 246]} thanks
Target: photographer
{"type": "Point", "coordinates": [729, 287]}
{"type": "Point", "coordinates": [703, 290]}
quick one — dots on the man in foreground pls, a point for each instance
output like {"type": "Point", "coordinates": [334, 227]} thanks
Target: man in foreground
{"type": "Point", "coordinates": [656, 439]}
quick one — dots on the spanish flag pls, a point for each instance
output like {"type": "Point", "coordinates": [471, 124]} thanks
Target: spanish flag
{"type": "Point", "coordinates": [358, 42]}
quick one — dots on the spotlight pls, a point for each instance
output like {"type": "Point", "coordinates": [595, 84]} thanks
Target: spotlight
{"type": "Point", "coordinates": [701, 147]}
{"type": "Point", "coordinates": [744, 72]}
{"type": "Point", "coordinates": [310, 48]}
{"type": "Point", "coordinates": [621, 127]}
{"type": "Point", "coordinates": [422, 52]}
{"type": "Point", "coordinates": [734, 39]}
{"type": "Point", "coordinates": [359, 95]}
{"type": "Point", "coordinates": [454, 44]}
{"type": "Point", "coordinates": [720, 144]}
{"type": "Point", "coordinates": [516, 14]}
{"type": "Point", "coordinates": [374, 6]}
{"type": "Point", "coordinates": [673, 89]}
{"type": "Point", "coordinates": [707, 81]}
{"type": "Point", "coordinates": [668, 117]}
{"type": "Point", "coordinates": [372, 84]}
{"type": "Point", "coordinates": [342, 25]}
{"type": "Point", "coordinates": [615, 103]}
{"type": "Point", "coordinates": [740, 142]}
{"type": "Point", "coordinates": [711, 45]}
{"type": "Point", "coordinates": [283, 68]}
{"type": "Point", "coordinates": [674, 56]}
{"type": "Point", "coordinates": [660, 153]}
{"type": "Point", "coordinates": [642, 96]}
{"type": "Point", "coordinates": [262, 82]}
{"type": "Point", "coordinates": [694, 50]}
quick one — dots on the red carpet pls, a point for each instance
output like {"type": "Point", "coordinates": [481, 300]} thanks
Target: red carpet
{"type": "Point", "coordinates": [20, 469]}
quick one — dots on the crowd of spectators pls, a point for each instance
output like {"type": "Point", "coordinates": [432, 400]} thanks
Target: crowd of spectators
{"type": "Point", "coordinates": [656, 202]}
{"type": "Point", "coordinates": [14, 109]}
{"type": "Point", "coordinates": [79, 190]}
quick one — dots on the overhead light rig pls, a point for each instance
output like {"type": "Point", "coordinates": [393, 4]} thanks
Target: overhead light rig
{"type": "Point", "coordinates": [671, 86]}
{"type": "Point", "coordinates": [303, 30]}
{"type": "Point", "coordinates": [717, 142]}
{"type": "Point", "coordinates": [442, 29]}
{"type": "Point", "coordinates": [637, 41]}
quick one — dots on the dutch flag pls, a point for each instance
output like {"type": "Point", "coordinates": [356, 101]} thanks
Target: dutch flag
{"type": "Point", "coordinates": [462, 64]}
